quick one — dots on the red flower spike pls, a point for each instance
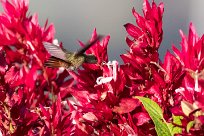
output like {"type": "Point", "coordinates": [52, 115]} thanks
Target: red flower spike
{"type": "Point", "coordinates": [191, 55]}
{"type": "Point", "coordinates": [144, 44]}
{"type": "Point", "coordinates": [25, 82]}
{"type": "Point", "coordinates": [191, 60]}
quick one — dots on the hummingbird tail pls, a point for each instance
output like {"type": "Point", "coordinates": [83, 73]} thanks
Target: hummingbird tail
{"type": "Point", "coordinates": [56, 62]}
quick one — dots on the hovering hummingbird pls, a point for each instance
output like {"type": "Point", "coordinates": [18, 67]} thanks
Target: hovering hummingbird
{"type": "Point", "coordinates": [61, 57]}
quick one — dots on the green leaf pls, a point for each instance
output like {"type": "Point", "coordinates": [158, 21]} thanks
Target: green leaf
{"type": "Point", "coordinates": [177, 120]}
{"type": "Point", "coordinates": [190, 125]}
{"type": "Point", "coordinates": [155, 112]}
{"type": "Point", "coordinates": [175, 129]}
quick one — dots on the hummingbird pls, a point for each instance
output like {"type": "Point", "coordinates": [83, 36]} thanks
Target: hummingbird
{"type": "Point", "coordinates": [61, 57]}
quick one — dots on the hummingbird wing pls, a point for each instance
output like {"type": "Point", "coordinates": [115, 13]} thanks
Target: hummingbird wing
{"type": "Point", "coordinates": [88, 45]}
{"type": "Point", "coordinates": [58, 56]}
{"type": "Point", "coordinates": [55, 50]}
{"type": "Point", "coordinates": [56, 63]}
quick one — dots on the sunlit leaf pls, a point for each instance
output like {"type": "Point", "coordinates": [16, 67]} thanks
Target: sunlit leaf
{"type": "Point", "coordinates": [156, 115]}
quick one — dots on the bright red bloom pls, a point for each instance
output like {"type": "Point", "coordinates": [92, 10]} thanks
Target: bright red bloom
{"type": "Point", "coordinates": [191, 90]}
{"type": "Point", "coordinates": [25, 82]}
{"type": "Point", "coordinates": [191, 58]}
{"type": "Point", "coordinates": [141, 62]}
{"type": "Point", "coordinates": [147, 35]}
{"type": "Point", "coordinates": [146, 39]}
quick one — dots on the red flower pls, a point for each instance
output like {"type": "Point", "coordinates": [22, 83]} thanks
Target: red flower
{"type": "Point", "coordinates": [190, 91]}
{"type": "Point", "coordinates": [96, 99]}
{"type": "Point", "coordinates": [25, 82]}
{"type": "Point", "coordinates": [147, 36]}
{"type": "Point", "coordinates": [191, 58]}
{"type": "Point", "coordinates": [146, 39]}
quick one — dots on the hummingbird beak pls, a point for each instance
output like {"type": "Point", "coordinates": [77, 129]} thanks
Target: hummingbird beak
{"type": "Point", "coordinates": [90, 59]}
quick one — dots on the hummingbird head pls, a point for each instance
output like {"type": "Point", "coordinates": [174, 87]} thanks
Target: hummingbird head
{"type": "Point", "coordinates": [90, 59]}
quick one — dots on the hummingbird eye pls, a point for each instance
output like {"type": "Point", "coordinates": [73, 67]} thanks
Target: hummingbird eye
{"type": "Point", "coordinates": [91, 59]}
